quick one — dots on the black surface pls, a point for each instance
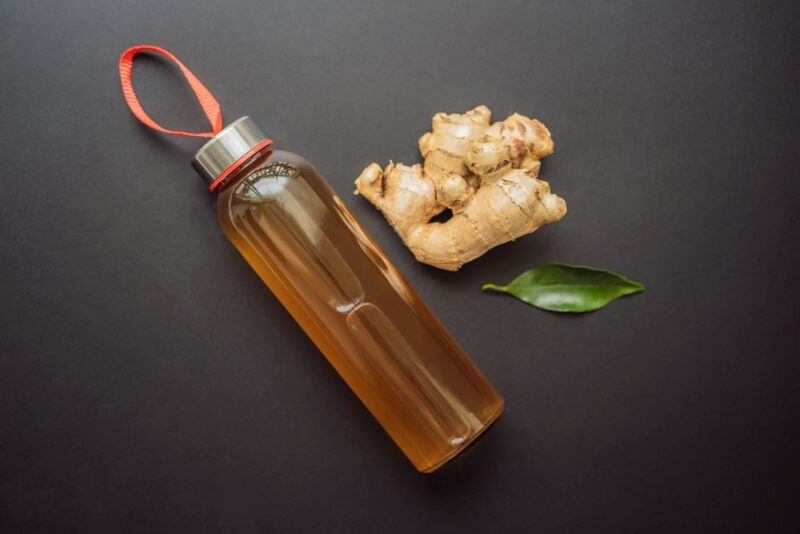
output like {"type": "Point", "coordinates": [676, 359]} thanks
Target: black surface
{"type": "Point", "coordinates": [151, 383]}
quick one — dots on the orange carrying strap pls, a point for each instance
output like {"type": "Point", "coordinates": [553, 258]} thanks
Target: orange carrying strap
{"type": "Point", "coordinates": [204, 97]}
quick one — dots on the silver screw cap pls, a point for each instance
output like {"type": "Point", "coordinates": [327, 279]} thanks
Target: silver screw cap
{"type": "Point", "coordinates": [227, 147]}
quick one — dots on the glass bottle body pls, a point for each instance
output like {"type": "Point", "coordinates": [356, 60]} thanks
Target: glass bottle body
{"type": "Point", "coordinates": [357, 308]}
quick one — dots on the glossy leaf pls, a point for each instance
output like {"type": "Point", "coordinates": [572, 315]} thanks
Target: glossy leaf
{"type": "Point", "coordinates": [568, 288]}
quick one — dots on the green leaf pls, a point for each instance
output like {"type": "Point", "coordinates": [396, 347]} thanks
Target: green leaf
{"type": "Point", "coordinates": [568, 288]}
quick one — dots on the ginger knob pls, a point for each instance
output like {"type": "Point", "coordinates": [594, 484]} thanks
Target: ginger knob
{"type": "Point", "coordinates": [488, 156]}
{"type": "Point", "coordinates": [453, 192]}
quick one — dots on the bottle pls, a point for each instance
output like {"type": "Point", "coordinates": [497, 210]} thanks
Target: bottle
{"type": "Point", "coordinates": [358, 309]}
{"type": "Point", "coordinates": [301, 240]}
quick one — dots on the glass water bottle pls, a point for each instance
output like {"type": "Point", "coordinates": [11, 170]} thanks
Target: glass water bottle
{"type": "Point", "coordinates": [374, 329]}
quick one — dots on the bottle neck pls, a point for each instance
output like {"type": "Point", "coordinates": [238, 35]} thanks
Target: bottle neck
{"type": "Point", "coordinates": [243, 169]}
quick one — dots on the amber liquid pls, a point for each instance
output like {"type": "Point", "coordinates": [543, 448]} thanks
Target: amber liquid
{"type": "Point", "coordinates": [357, 308]}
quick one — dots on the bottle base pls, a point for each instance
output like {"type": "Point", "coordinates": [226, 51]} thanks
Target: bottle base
{"type": "Point", "coordinates": [464, 446]}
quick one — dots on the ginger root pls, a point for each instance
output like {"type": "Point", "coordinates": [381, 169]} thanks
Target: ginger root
{"type": "Point", "coordinates": [486, 174]}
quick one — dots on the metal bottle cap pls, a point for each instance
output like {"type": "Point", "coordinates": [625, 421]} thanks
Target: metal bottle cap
{"type": "Point", "coordinates": [227, 147]}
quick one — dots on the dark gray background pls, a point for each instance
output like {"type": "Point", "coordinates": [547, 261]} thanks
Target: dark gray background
{"type": "Point", "coordinates": [150, 382]}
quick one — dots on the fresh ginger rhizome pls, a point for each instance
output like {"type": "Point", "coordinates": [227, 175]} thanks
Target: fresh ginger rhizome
{"type": "Point", "coordinates": [486, 174]}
